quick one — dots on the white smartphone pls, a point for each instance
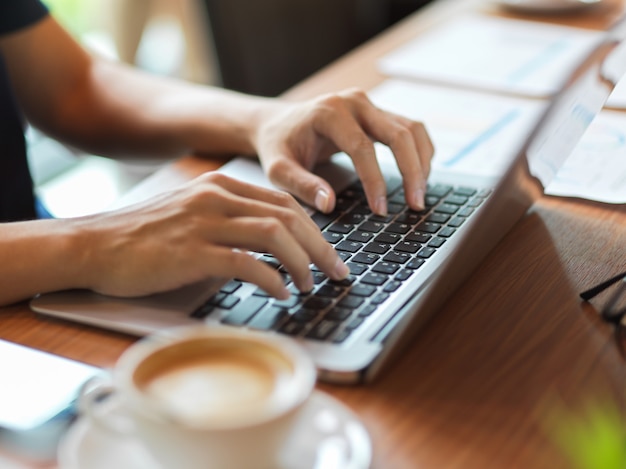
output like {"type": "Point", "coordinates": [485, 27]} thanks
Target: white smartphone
{"type": "Point", "coordinates": [38, 393]}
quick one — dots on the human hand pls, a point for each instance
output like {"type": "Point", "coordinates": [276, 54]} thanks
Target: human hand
{"type": "Point", "coordinates": [201, 230]}
{"type": "Point", "coordinates": [293, 138]}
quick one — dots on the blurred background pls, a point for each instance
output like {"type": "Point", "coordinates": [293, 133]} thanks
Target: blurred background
{"type": "Point", "coordinates": [256, 46]}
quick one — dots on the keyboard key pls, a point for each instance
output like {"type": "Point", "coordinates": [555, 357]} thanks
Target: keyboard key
{"type": "Point", "coordinates": [372, 226]}
{"type": "Point", "coordinates": [373, 278]}
{"type": "Point", "coordinates": [322, 220]}
{"type": "Point", "coordinates": [332, 238]}
{"type": "Point", "coordinates": [418, 237]}
{"type": "Point", "coordinates": [407, 246]}
{"type": "Point", "coordinates": [344, 255]}
{"type": "Point", "coordinates": [231, 287]}
{"type": "Point", "coordinates": [292, 327]}
{"type": "Point", "coordinates": [367, 310]}
{"type": "Point", "coordinates": [386, 267]}
{"type": "Point", "coordinates": [355, 323]}
{"type": "Point", "coordinates": [427, 227]}
{"type": "Point", "coordinates": [376, 247]}
{"type": "Point", "coordinates": [397, 257]}
{"type": "Point", "coordinates": [316, 303]}
{"type": "Point", "coordinates": [304, 315]}
{"type": "Point", "coordinates": [351, 218]}
{"type": "Point", "coordinates": [322, 329]}
{"type": "Point", "coordinates": [364, 258]}
{"type": "Point", "coordinates": [360, 236]}
{"type": "Point", "coordinates": [362, 290]}
{"type": "Point", "coordinates": [415, 263]}
{"type": "Point", "coordinates": [356, 268]}
{"type": "Point", "coordinates": [268, 318]}
{"type": "Point", "coordinates": [465, 212]}
{"type": "Point", "coordinates": [389, 238]}
{"type": "Point", "coordinates": [447, 208]}
{"type": "Point", "coordinates": [342, 336]}
{"type": "Point", "coordinates": [400, 228]}
{"type": "Point", "coordinates": [466, 191]}
{"type": "Point", "coordinates": [409, 217]}
{"type": "Point", "coordinates": [426, 252]}
{"type": "Point", "coordinates": [346, 282]}
{"type": "Point", "coordinates": [380, 298]}
{"type": "Point", "coordinates": [456, 222]}
{"type": "Point", "coordinates": [391, 286]}
{"type": "Point", "coordinates": [440, 218]}
{"type": "Point", "coordinates": [403, 275]}
{"type": "Point", "coordinates": [456, 199]}
{"type": "Point", "coordinates": [341, 228]}
{"type": "Point", "coordinates": [436, 242]}
{"type": "Point", "coordinates": [439, 190]}
{"type": "Point", "coordinates": [395, 208]}
{"type": "Point", "coordinates": [446, 232]}
{"type": "Point", "coordinates": [243, 311]}
{"type": "Point", "coordinates": [338, 313]}
{"type": "Point", "coordinates": [229, 302]}
{"type": "Point", "coordinates": [290, 302]}
{"type": "Point", "coordinates": [329, 291]}
{"type": "Point", "coordinates": [349, 246]}
{"type": "Point", "coordinates": [350, 302]}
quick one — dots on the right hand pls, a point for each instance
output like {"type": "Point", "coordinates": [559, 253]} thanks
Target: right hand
{"type": "Point", "coordinates": [204, 230]}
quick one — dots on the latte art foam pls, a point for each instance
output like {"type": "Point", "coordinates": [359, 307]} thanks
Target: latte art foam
{"type": "Point", "coordinates": [221, 386]}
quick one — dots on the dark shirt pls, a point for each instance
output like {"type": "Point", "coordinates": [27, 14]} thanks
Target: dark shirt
{"type": "Point", "coordinates": [16, 188]}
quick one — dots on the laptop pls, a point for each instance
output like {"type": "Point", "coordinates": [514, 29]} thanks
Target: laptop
{"type": "Point", "coordinates": [403, 267]}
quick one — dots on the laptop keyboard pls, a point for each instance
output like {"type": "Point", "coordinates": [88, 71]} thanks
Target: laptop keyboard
{"type": "Point", "coordinates": [381, 252]}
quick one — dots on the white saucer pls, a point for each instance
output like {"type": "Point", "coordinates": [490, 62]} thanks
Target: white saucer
{"type": "Point", "coordinates": [546, 6]}
{"type": "Point", "coordinates": [329, 436]}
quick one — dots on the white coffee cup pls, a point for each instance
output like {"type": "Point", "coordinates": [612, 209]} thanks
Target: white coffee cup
{"type": "Point", "coordinates": [200, 398]}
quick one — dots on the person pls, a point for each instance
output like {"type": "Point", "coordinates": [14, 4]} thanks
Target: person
{"type": "Point", "coordinates": [205, 228]}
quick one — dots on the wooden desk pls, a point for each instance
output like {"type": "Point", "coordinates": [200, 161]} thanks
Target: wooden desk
{"type": "Point", "coordinates": [473, 389]}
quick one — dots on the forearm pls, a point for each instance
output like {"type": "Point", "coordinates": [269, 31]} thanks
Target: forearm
{"type": "Point", "coordinates": [39, 256]}
{"type": "Point", "coordinates": [111, 109]}
{"type": "Point", "coordinates": [127, 112]}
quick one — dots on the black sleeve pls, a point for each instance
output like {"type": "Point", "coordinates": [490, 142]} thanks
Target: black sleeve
{"type": "Point", "coordinates": [17, 14]}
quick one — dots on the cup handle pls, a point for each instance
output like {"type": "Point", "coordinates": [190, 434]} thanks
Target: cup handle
{"type": "Point", "coordinates": [99, 401]}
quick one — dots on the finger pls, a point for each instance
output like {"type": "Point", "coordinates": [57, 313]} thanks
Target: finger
{"type": "Point", "coordinates": [307, 235]}
{"type": "Point", "coordinates": [311, 189]}
{"type": "Point", "coordinates": [237, 264]}
{"type": "Point", "coordinates": [339, 125]}
{"type": "Point", "coordinates": [267, 235]}
{"type": "Point", "coordinates": [251, 192]}
{"type": "Point", "coordinates": [397, 133]}
{"type": "Point", "coordinates": [424, 144]}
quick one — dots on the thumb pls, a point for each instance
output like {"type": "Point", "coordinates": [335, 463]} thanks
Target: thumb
{"type": "Point", "coordinates": [306, 186]}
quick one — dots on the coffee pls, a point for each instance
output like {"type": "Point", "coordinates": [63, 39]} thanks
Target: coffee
{"type": "Point", "coordinates": [200, 397]}
{"type": "Point", "coordinates": [207, 384]}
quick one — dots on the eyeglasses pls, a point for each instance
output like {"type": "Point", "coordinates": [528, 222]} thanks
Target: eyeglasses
{"type": "Point", "coordinates": [614, 310]}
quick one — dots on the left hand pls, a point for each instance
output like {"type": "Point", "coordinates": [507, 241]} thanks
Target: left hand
{"type": "Point", "coordinates": [295, 137]}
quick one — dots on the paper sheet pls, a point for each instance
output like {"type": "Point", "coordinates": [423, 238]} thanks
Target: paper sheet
{"type": "Point", "coordinates": [494, 54]}
{"type": "Point", "coordinates": [478, 133]}
{"type": "Point", "coordinates": [596, 170]}
{"type": "Point", "coordinates": [473, 133]}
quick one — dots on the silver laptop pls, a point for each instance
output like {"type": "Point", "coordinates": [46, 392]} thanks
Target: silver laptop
{"type": "Point", "coordinates": [403, 267]}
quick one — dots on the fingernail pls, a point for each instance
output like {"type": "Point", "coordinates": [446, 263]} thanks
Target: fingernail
{"type": "Point", "coordinates": [418, 198]}
{"type": "Point", "coordinates": [341, 270]}
{"type": "Point", "coordinates": [380, 206]}
{"type": "Point", "coordinates": [308, 284]}
{"type": "Point", "coordinates": [322, 200]}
